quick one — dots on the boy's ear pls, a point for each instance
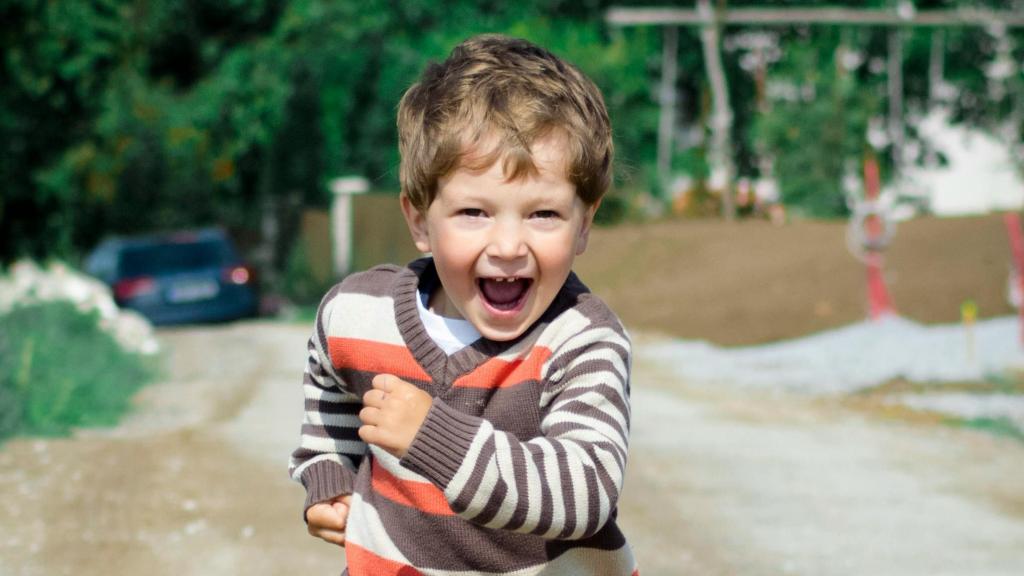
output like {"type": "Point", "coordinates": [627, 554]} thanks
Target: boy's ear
{"type": "Point", "coordinates": [417, 222]}
{"type": "Point", "coordinates": [588, 222]}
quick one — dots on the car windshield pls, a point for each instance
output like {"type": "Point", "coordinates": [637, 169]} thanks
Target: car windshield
{"type": "Point", "coordinates": [174, 257]}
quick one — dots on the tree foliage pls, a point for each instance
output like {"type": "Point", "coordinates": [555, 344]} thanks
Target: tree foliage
{"type": "Point", "coordinates": [133, 115]}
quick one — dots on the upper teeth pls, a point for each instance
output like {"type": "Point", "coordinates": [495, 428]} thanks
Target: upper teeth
{"type": "Point", "coordinates": [506, 279]}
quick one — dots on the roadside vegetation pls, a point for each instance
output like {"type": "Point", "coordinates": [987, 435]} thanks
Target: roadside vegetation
{"type": "Point", "coordinates": [68, 356]}
{"type": "Point", "coordinates": [904, 400]}
{"type": "Point", "coordinates": [60, 370]}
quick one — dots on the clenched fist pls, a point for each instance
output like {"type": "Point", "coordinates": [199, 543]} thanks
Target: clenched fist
{"type": "Point", "coordinates": [392, 414]}
{"type": "Point", "coordinates": [328, 520]}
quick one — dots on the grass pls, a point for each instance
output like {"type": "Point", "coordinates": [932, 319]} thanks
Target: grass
{"type": "Point", "coordinates": [995, 426]}
{"type": "Point", "coordinates": [1008, 383]}
{"type": "Point", "coordinates": [59, 370]}
{"type": "Point", "coordinates": [873, 400]}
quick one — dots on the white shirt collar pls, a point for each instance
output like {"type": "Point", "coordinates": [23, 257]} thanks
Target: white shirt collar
{"type": "Point", "coordinates": [450, 334]}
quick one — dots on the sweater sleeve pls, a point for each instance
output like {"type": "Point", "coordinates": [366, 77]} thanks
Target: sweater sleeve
{"type": "Point", "coordinates": [563, 484]}
{"type": "Point", "coordinates": [330, 449]}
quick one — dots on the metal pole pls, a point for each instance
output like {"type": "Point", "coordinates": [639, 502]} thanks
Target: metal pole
{"type": "Point", "coordinates": [788, 16]}
{"type": "Point", "coordinates": [721, 115]}
{"type": "Point", "coordinates": [667, 98]}
{"type": "Point", "coordinates": [896, 97]}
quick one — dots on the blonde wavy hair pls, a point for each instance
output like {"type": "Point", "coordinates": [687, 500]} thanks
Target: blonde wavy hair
{"type": "Point", "coordinates": [490, 100]}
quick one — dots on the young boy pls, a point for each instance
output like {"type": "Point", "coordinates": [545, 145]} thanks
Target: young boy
{"type": "Point", "coordinates": [469, 413]}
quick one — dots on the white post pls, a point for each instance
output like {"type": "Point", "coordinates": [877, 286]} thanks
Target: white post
{"type": "Point", "coordinates": [721, 112]}
{"type": "Point", "coordinates": [341, 220]}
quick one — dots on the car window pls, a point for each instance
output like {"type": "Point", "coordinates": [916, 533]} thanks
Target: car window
{"type": "Point", "coordinates": [174, 257]}
{"type": "Point", "coordinates": [102, 263]}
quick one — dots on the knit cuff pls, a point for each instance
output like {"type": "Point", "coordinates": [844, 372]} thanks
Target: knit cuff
{"type": "Point", "coordinates": [441, 445]}
{"type": "Point", "coordinates": [325, 480]}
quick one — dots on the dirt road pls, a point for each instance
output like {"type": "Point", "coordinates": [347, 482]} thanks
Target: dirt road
{"type": "Point", "coordinates": [720, 482]}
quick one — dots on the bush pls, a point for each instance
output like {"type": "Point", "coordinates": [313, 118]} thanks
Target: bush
{"type": "Point", "coordinates": [59, 370]}
{"type": "Point", "coordinates": [300, 283]}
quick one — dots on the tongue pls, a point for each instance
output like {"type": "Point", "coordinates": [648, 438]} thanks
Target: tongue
{"type": "Point", "coordinates": [503, 293]}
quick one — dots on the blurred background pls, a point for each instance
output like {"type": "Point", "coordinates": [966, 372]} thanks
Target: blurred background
{"type": "Point", "coordinates": [813, 236]}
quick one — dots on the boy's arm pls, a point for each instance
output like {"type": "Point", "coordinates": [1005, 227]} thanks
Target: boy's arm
{"type": "Point", "coordinates": [330, 450]}
{"type": "Point", "coordinates": [564, 484]}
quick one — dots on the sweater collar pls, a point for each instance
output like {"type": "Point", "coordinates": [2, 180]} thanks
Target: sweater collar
{"type": "Point", "coordinates": [441, 367]}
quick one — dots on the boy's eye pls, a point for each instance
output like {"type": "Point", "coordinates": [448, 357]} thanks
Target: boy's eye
{"type": "Point", "coordinates": [545, 214]}
{"type": "Point", "coordinates": [472, 212]}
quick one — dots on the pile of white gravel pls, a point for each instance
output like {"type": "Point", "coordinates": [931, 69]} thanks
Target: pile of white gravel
{"type": "Point", "coordinates": [26, 283]}
{"type": "Point", "coordinates": [865, 355]}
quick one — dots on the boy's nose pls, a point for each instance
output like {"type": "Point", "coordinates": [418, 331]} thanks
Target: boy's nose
{"type": "Point", "coordinates": [507, 241]}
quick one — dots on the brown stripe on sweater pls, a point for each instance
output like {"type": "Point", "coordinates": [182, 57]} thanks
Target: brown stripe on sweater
{"type": "Point", "coordinates": [493, 505]}
{"type": "Point", "coordinates": [547, 503]}
{"type": "Point", "coordinates": [595, 366]}
{"type": "Point", "coordinates": [359, 382]}
{"type": "Point", "coordinates": [609, 537]}
{"type": "Point", "coordinates": [568, 490]}
{"type": "Point", "coordinates": [372, 282]}
{"type": "Point", "coordinates": [461, 503]}
{"type": "Point", "coordinates": [566, 429]}
{"type": "Point", "coordinates": [616, 451]}
{"type": "Point", "coordinates": [583, 409]}
{"type": "Point", "coordinates": [478, 549]}
{"type": "Point", "coordinates": [609, 390]}
{"type": "Point", "coordinates": [565, 357]}
{"type": "Point", "coordinates": [607, 483]}
{"type": "Point", "coordinates": [328, 407]}
{"type": "Point", "coordinates": [594, 502]}
{"type": "Point", "coordinates": [331, 432]}
{"type": "Point", "coordinates": [492, 405]}
{"type": "Point", "coordinates": [519, 463]}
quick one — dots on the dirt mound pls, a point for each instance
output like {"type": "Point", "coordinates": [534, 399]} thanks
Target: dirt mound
{"type": "Point", "coordinates": [751, 282]}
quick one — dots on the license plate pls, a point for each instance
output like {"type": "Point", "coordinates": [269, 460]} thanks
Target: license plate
{"type": "Point", "coordinates": [193, 291]}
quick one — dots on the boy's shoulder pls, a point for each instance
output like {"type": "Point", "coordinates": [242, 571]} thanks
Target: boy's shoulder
{"type": "Point", "coordinates": [378, 279]}
{"type": "Point", "coordinates": [381, 280]}
{"type": "Point", "coordinates": [365, 290]}
{"type": "Point", "coordinates": [576, 308]}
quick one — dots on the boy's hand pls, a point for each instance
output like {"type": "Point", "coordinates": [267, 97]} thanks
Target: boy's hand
{"type": "Point", "coordinates": [392, 413]}
{"type": "Point", "coordinates": [327, 520]}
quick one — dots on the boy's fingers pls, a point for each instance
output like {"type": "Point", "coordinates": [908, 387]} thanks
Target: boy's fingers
{"type": "Point", "coordinates": [370, 415]}
{"type": "Point", "coordinates": [332, 536]}
{"type": "Point", "coordinates": [369, 434]}
{"type": "Point", "coordinates": [378, 381]}
{"type": "Point", "coordinates": [385, 382]}
{"type": "Point", "coordinates": [324, 516]}
{"type": "Point", "coordinates": [374, 398]}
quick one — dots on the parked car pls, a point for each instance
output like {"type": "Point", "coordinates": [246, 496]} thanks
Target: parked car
{"type": "Point", "coordinates": [177, 278]}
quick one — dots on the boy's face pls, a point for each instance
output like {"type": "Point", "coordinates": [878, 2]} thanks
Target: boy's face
{"type": "Point", "coordinates": [503, 249]}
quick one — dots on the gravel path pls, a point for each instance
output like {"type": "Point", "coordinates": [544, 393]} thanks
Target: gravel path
{"type": "Point", "coordinates": [721, 481]}
{"type": "Point", "coordinates": [727, 482]}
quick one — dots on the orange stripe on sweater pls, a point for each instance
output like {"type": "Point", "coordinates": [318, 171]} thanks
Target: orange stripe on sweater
{"type": "Point", "coordinates": [422, 496]}
{"type": "Point", "coordinates": [370, 356]}
{"type": "Point", "coordinates": [498, 373]}
{"type": "Point", "coordinates": [362, 562]}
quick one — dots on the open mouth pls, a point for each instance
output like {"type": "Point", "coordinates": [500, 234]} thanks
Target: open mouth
{"type": "Point", "coordinates": [504, 294]}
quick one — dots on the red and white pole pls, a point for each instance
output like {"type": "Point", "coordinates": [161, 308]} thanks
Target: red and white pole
{"type": "Point", "coordinates": [879, 301]}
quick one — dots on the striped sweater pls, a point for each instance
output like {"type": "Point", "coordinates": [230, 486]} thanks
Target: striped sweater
{"type": "Point", "coordinates": [518, 466]}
